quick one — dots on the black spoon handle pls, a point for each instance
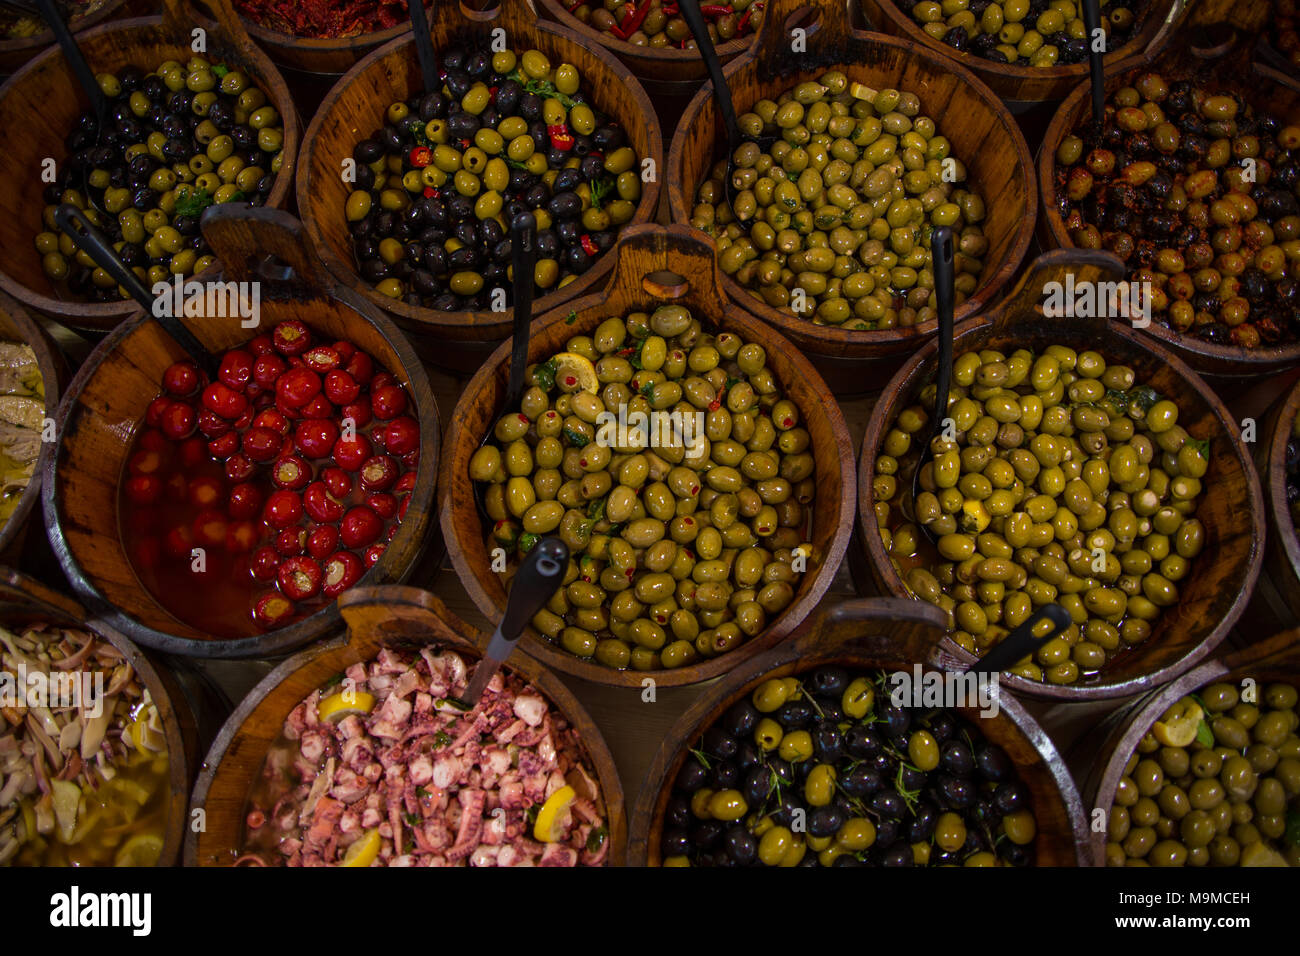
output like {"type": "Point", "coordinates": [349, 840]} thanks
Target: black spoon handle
{"type": "Point", "coordinates": [73, 222]}
{"type": "Point", "coordinates": [540, 573]}
{"type": "Point", "coordinates": [690, 9]}
{"type": "Point", "coordinates": [1022, 642]}
{"type": "Point", "coordinates": [72, 53]}
{"type": "Point", "coordinates": [424, 45]}
{"type": "Point", "coordinates": [1096, 71]}
{"type": "Point", "coordinates": [942, 255]}
{"type": "Point", "coordinates": [523, 253]}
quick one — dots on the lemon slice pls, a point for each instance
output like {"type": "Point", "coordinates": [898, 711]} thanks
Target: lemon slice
{"type": "Point", "coordinates": [550, 819]}
{"type": "Point", "coordinates": [1179, 725]}
{"type": "Point", "coordinates": [364, 851]}
{"type": "Point", "coordinates": [1257, 854]}
{"type": "Point", "coordinates": [143, 849]}
{"type": "Point", "coordinates": [574, 372]}
{"type": "Point", "coordinates": [334, 708]}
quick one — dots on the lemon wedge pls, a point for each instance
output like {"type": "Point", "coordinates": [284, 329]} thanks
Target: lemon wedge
{"type": "Point", "coordinates": [1178, 726]}
{"type": "Point", "coordinates": [334, 708]}
{"type": "Point", "coordinates": [574, 372]}
{"type": "Point", "coordinates": [677, 861]}
{"type": "Point", "coordinates": [364, 851]}
{"type": "Point", "coordinates": [143, 849]}
{"type": "Point", "coordinates": [550, 819]}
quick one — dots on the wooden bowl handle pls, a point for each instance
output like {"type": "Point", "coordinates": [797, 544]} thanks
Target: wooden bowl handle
{"type": "Point", "coordinates": [646, 249]}
{"type": "Point", "coordinates": [241, 236]}
{"type": "Point", "coordinates": [1280, 650]}
{"type": "Point", "coordinates": [1086, 265]}
{"type": "Point", "coordinates": [373, 613]}
{"type": "Point", "coordinates": [829, 24]}
{"type": "Point", "coordinates": [1248, 16]}
{"type": "Point", "coordinates": [900, 628]}
{"type": "Point", "coordinates": [16, 586]}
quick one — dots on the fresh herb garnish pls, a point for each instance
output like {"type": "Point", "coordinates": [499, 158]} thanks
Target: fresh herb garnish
{"type": "Point", "coordinates": [576, 438]}
{"type": "Point", "coordinates": [700, 756]}
{"type": "Point", "coordinates": [334, 681]}
{"type": "Point", "coordinates": [571, 317]}
{"type": "Point", "coordinates": [220, 70]}
{"type": "Point", "coordinates": [544, 375]}
{"type": "Point", "coordinates": [442, 738]}
{"type": "Point", "coordinates": [596, 839]}
{"type": "Point", "coordinates": [600, 188]}
{"type": "Point", "coordinates": [193, 203]}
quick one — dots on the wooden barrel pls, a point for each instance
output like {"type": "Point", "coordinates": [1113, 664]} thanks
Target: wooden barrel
{"type": "Point", "coordinates": [643, 251]}
{"type": "Point", "coordinates": [1215, 592]}
{"type": "Point", "coordinates": [321, 57]}
{"type": "Point", "coordinates": [16, 52]}
{"type": "Point", "coordinates": [982, 132]}
{"type": "Point", "coordinates": [99, 413]}
{"type": "Point", "coordinates": [1276, 598]}
{"type": "Point", "coordinates": [376, 618]}
{"type": "Point", "coordinates": [355, 108]}
{"type": "Point", "coordinates": [663, 71]}
{"type": "Point", "coordinates": [1098, 760]}
{"type": "Point", "coordinates": [885, 633]}
{"type": "Point", "coordinates": [1262, 91]}
{"type": "Point", "coordinates": [17, 326]}
{"type": "Point", "coordinates": [1025, 84]}
{"type": "Point", "coordinates": [25, 601]}
{"type": "Point", "coordinates": [44, 100]}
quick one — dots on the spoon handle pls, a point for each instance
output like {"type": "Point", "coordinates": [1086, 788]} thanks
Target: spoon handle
{"type": "Point", "coordinates": [1096, 71]}
{"type": "Point", "coordinates": [95, 244]}
{"type": "Point", "coordinates": [72, 53]}
{"type": "Point", "coordinates": [1023, 641]}
{"type": "Point", "coordinates": [942, 256]}
{"type": "Point", "coordinates": [690, 10]}
{"type": "Point", "coordinates": [523, 251]}
{"type": "Point", "coordinates": [423, 45]}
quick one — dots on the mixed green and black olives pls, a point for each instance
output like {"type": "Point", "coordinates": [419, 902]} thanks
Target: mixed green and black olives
{"type": "Point", "coordinates": [682, 480]}
{"type": "Point", "coordinates": [1038, 33]}
{"type": "Point", "coordinates": [1059, 478]}
{"type": "Point", "coordinates": [1214, 782]}
{"type": "Point", "coordinates": [438, 186]}
{"type": "Point", "coordinates": [176, 141]}
{"type": "Point", "coordinates": [823, 769]}
{"type": "Point", "coordinates": [659, 24]}
{"type": "Point", "coordinates": [833, 222]}
{"type": "Point", "coordinates": [1199, 194]}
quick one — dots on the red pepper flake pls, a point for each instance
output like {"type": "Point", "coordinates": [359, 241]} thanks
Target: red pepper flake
{"type": "Point", "coordinates": [421, 156]}
{"type": "Point", "coordinates": [715, 10]}
{"type": "Point", "coordinates": [588, 246]}
{"type": "Point", "coordinates": [715, 404]}
{"type": "Point", "coordinates": [431, 192]}
{"type": "Point", "coordinates": [523, 418]}
{"type": "Point", "coordinates": [561, 138]}
{"type": "Point", "coordinates": [624, 353]}
{"type": "Point", "coordinates": [466, 143]}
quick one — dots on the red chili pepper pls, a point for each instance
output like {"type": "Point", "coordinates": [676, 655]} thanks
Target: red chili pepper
{"type": "Point", "coordinates": [715, 404]}
{"type": "Point", "coordinates": [561, 138]}
{"type": "Point", "coordinates": [421, 156]}
{"type": "Point", "coordinates": [588, 246]}
{"type": "Point", "coordinates": [431, 193]}
{"type": "Point", "coordinates": [744, 20]}
{"type": "Point", "coordinates": [632, 20]}
{"type": "Point", "coordinates": [716, 10]}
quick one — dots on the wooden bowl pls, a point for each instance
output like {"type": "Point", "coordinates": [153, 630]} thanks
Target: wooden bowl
{"type": "Point", "coordinates": [17, 326]}
{"type": "Point", "coordinates": [1215, 592]}
{"type": "Point", "coordinates": [376, 617]}
{"type": "Point", "coordinates": [982, 131]}
{"type": "Point", "coordinates": [645, 250]}
{"type": "Point", "coordinates": [1264, 93]}
{"type": "Point", "coordinates": [24, 601]}
{"type": "Point", "coordinates": [105, 402]}
{"type": "Point", "coordinates": [355, 108]}
{"type": "Point", "coordinates": [15, 53]}
{"type": "Point", "coordinates": [663, 71]}
{"type": "Point", "coordinates": [1278, 590]}
{"type": "Point", "coordinates": [1099, 758]}
{"type": "Point", "coordinates": [886, 633]}
{"type": "Point", "coordinates": [44, 100]}
{"type": "Point", "coordinates": [322, 57]}
{"type": "Point", "coordinates": [1024, 84]}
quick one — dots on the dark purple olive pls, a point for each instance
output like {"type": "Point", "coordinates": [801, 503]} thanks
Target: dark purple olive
{"type": "Point", "coordinates": [741, 845]}
{"type": "Point", "coordinates": [692, 776]}
{"type": "Point", "coordinates": [677, 842]}
{"type": "Point", "coordinates": [861, 781]}
{"type": "Point", "coordinates": [825, 821]}
{"type": "Point", "coordinates": [741, 718]}
{"type": "Point", "coordinates": [888, 803]}
{"type": "Point", "coordinates": [718, 743]}
{"type": "Point", "coordinates": [1009, 797]}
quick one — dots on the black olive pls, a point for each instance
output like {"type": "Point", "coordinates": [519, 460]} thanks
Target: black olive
{"type": "Point", "coordinates": [530, 107]}
{"type": "Point", "coordinates": [911, 778]}
{"type": "Point", "coordinates": [794, 714]}
{"type": "Point", "coordinates": [374, 269]}
{"type": "Point", "coordinates": [608, 138]}
{"type": "Point", "coordinates": [923, 823]}
{"type": "Point", "coordinates": [677, 841]}
{"type": "Point", "coordinates": [847, 859]}
{"type": "Point", "coordinates": [900, 854]}
{"type": "Point", "coordinates": [784, 814]}
{"type": "Point", "coordinates": [566, 181]}
{"type": "Point", "coordinates": [725, 775]}
{"type": "Point", "coordinates": [538, 131]}
{"type": "Point", "coordinates": [992, 763]}
{"type": "Point", "coordinates": [825, 821]}
{"type": "Point", "coordinates": [955, 792]}
{"type": "Point", "coordinates": [463, 259]}
{"type": "Point", "coordinates": [861, 781]}
{"type": "Point", "coordinates": [221, 115]}
{"type": "Point", "coordinates": [747, 755]}
{"type": "Point", "coordinates": [741, 718]}
{"type": "Point", "coordinates": [454, 59]}
{"type": "Point", "coordinates": [1009, 797]}
{"type": "Point", "coordinates": [955, 757]}
{"type": "Point", "coordinates": [783, 770]}
{"type": "Point", "coordinates": [458, 84]}
{"type": "Point", "coordinates": [435, 258]}
{"type": "Point", "coordinates": [897, 720]}
{"type": "Point", "coordinates": [508, 95]}
{"type": "Point", "coordinates": [467, 232]}
{"type": "Point", "coordinates": [367, 151]}
{"type": "Point", "coordinates": [501, 252]}
{"type": "Point", "coordinates": [862, 742]}
{"type": "Point", "coordinates": [956, 38]}
{"type": "Point", "coordinates": [424, 282]}
{"type": "Point", "coordinates": [828, 681]}
{"type": "Point", "coordinates": [692, 776]}
{"type": "Point", "coordinates": [888, 803]}
{"type": "Point", "coordinates": [462, 125]}
{"type": "Point", "coordinates": [1013, 853]}
{"type": "Point", "coordinates": [447, 302]}
{"type": "Point", "coordinates": [568, 232]}
{"type": "Point", "coordinates": [741, 845]}
{"type": "Point", "coordinates": [479, 64]}
{"type": "Point", "coordinates": [521, 181]}
{"type": "Point", "coordinates": [578, 260]}
{"type": "Point", "coordinates": [706, 834]}
{"type": "Point", "coordinates": [758, 784]}
{"type": "Point", "coordinates": [888, 831]}
{"type": "Point", "coordinates": [186, 225]}
{"type": "Point", "coordinates": [718, 743]}
{"type": "Point", "coordinates": [592, 168]}
{"type": "Point", "coordinates": [828, 742]}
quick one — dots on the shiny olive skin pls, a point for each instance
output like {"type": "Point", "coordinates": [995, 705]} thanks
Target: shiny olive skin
{"type": "Point", "coordinates": [1060, 481]}
{"type": "Point", "coordinates": [676, 554]}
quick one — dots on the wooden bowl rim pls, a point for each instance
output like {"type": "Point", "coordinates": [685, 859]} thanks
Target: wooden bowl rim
{"type": "Point", "coordinates": [51, 364]}
{"type": "Point", "coordinates": [554, 689]}
{"type": "Point", "coordinates": [495, 324]}
{"type": "Point", "coordinates": [976, 331]}
{"type": "Point", "coordinates": [667, 55]}
{"type": "Point", "coordinates": [106, 315]}
{"type": "Point", "coordinates": [1244, 361]}
{"type": "Point", "coordinates": [1153, 15]}
{"type": "Point", "coordinates": [273, 39]}
{"type": "Point", "coordinates": [1288, 538]}
{"type": "Point", "coordinates": [828, 339]}
{"type": "Point", "coordinates": [457, 497]}
{"type": "Point", "coordinates": [46, 36]}
{"type": "Point", "coordinates": [705, 710]}
{"type": "Point", "coordinates": [324, 621]}
{"type": "Point", "coordinates": [178, 762]}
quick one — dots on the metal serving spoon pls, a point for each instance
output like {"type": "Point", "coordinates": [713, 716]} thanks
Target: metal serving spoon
{"type": "Point", "coordinates": [942, 263]}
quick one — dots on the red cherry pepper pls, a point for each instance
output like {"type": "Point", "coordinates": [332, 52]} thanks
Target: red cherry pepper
{"type": "Point", "coordinates": [421, 156]}
{"type": "Point", "coordinates": [340, 387]}
{"type": "Point", "coordinates": [153, 414]}
{"type": "Point", "coordinates": [241, 537]}
{"type": "Point", "coordinates": [291, 338]}
{"type": "Point", "coordinates": [291, 473]}
{"type": "Point", "coordinates": [262, 344]}
{"type": "Point", "coordinates": [352, 453]}
{"type": "Point", "coordinates": [291, 541]}
{"type": "Point", "coordinates": [223, 446]}
{"type": "Point", "coordinates": [265, 563]}
{"type": "Point", "coordinates": [359, 412]}
{"type": "Point", "coordinates": [379, 473]}
{"type": "Point", "coordinates": [338, 481]}
{"type": "Point", "coordinates": [205, 492]}
{"type": "Point", "coordinates": [239, 467]}
{"type": "Point", "coordinates": [272, 611]}
{"type": "Point", "coordinates": [212, 425]}
{"type": "Point", "coordinates": [300, 578]}
{"type": "Point", "coordinates": [342, 571]}
{"type": "Point", "coordinates": [236, 368]}
{"type": "Point", "coordinates": [561, 138]}
{"type": "Point", "coordinates": [194, 452]}
{"type": "Point", "coordinates": [283, 508]}
{"type": "Point", "coordinates": [182, 379]}
{"type": "Point", "coordinates": [361, 526]}
{"type": "Point", "coordinates": [588, 245]}
{"type": "Point", "coordinates": [383, 504]}
{"type": "Point", "coordinates": [210, 529]}
{"type": "Point", "coordinates": [144, 489]}
{"type": "Point", "coordinates": [373, 554]}
{"type": "Point", "coordinates": [320, 505]}
{"type": "Point", "coordinates": [322, 359]}
{"type": "Point", "coordinates": [244, 501]}
{"type": "Point", "coordinates": [388, 402]}
{"type": "Point", "coordinates": [323, 541]}
{"type": "Point", "coordinates": [262, 444]}
{"type": "Point", "coordinates": [179, 421]}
